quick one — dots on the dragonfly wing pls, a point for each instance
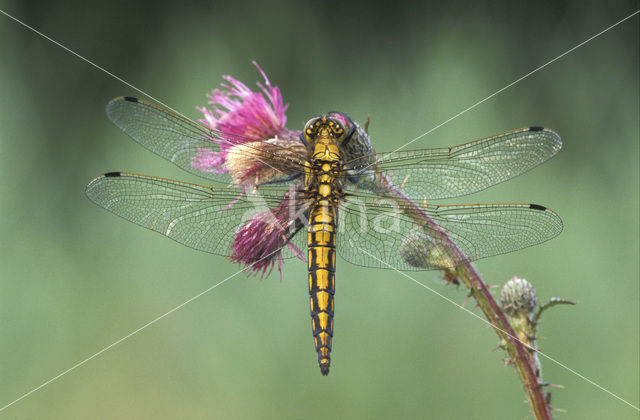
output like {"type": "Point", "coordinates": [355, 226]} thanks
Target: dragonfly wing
{"type": "Point", "coordinates": [200, 217]}
{"type": "Point", "coordinates": [451, 172]}
{"type": "Point", "coordinates": [385, 233]}
{"type": "Point", "coordinates": [194, 147]}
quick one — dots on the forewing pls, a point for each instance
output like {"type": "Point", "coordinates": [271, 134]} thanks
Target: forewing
{"type": "Point", "coordinates": [451, 172]}
{"type": "Point", "coordinates": [200, 217]}
{"type": "Point", "coordinates": [385, 233]}
{"type": "Point", "coordinates": [181, 140]}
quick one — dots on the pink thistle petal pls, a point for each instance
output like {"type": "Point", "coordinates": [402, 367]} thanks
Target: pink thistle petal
{"type": "Point", "coordinates": [239, 116]}
{"type": "Point", "coordinates": [258, 244]}
{"type": "Point", "coordinates": [208, 160]}
{"type": "Point", "coordinates": [341, 118]}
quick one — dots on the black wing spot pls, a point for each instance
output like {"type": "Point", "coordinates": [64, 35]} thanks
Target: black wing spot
{"type": "Point", "coordinates": [536, 128]}
{"type": "Point", "coordinates": [537, 207]}
{"type": "Point", "coordinates": [130, 99]}
{"type": "Point", "coordinates": [112, 174]}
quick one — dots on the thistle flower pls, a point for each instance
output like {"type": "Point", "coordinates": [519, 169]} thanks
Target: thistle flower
{"type": "Point", "coordinates": [250, 129]}
{"type": "Point", "coordinates": [259, 242]}
{"type": "Point", "coordinates": [242, 116]}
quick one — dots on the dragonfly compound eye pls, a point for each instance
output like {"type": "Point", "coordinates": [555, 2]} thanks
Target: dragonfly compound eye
{"type": "Point", "coordinates": [336, 128]}
{"type": "Point", "coordinates": [323, 127]}
{"type": "Point", "coordinates": [311, 129]}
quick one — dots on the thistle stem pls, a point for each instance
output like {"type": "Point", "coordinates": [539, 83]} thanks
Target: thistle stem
{"type": "Point", "coordinates": [522, 357]}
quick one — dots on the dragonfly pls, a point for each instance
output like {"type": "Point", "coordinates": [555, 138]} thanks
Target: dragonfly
{"type": "Point", "coordinates": [373, 209]}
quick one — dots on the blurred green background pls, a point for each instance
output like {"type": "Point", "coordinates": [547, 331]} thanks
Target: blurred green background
{"type": "Point", "coordinates": [75, 278]}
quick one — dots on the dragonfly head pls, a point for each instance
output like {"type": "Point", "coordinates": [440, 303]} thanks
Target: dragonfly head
{"type": "Point", "coordinates": [323, 127]}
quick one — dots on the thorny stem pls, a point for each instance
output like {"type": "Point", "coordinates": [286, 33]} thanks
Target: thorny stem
{"type": "Point", "coordinates": [521, 356]}
{"type": "Point", "coordinates": [523, 359]}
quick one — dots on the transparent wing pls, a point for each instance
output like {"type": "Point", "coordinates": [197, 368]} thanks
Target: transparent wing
{"type": "Point", "coordinates": [384, 233]}
{"type": "Point", "coordinates": [200, 217]}
{"type": "Point", "coordinates": [451, 172]}
{"type": "Point", "coordinates": [184, 142]}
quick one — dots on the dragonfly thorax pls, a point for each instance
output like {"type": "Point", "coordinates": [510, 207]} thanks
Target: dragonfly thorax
{"type": "Point", "coordinates": [324, 177]}
{"type": "Point", "coordinates": [324, 166]}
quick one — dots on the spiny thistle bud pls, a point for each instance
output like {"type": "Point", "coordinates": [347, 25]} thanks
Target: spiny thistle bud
{"type": "Point", "coordinates": [420, 250]}
{"type": "Point", "coordinates": [518, 297]}
{"type": "Point", "coordinates": [414, 249]}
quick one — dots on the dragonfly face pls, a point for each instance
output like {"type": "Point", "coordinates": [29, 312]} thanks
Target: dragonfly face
{"type": "Point", "coordinates": [323, 127]}
{"type": "Point", "coordinates": [374, 209]}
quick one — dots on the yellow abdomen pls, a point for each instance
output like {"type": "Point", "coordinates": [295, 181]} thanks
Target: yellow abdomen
{"type": "Point", "coordinates": [322, 264]}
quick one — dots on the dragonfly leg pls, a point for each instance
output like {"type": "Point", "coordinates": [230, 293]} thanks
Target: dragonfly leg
{"type": "Point", "coordinates": [304, 141]}
{"type": "Point", "coordinates": [283, 180]}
